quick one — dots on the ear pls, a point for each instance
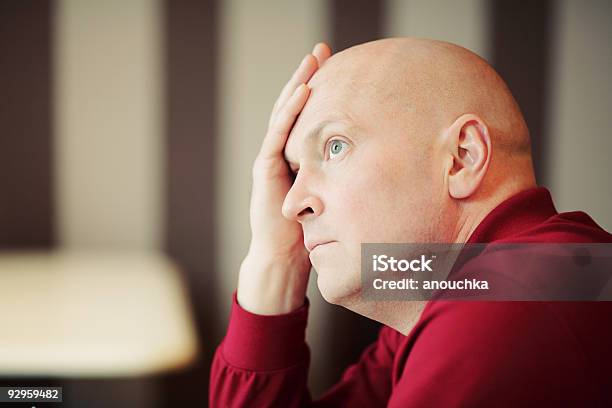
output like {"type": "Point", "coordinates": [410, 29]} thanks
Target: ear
{"type": "Point", "coordinates": [468, 143]}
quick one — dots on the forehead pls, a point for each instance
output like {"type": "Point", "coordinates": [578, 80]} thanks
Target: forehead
{"type": "Point", "coordinates": [336, 106]}
{"type": "Point", "coordinates": [327, 106]}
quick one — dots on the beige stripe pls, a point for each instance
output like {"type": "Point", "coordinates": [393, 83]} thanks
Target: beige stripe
{"type": "Point", "coordinates": [108, 124]}
{"type": "Point", "coordinates": [260, 48]}
{"type": "Point", "coordinates": [460, 22]}
{"type": "Point", "coordinates": [580, 142]}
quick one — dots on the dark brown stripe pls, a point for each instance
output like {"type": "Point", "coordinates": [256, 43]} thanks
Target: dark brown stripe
{"type": "Point", "coordinates": [355, 22]}
{"type": "Point", "coordinates": [190, 55]}
{"type": "Point", "coordinates": [521, 45]}
{"type": "Point", "coordinates": [26, 145]}
{"type": "Point", "coordinates": [352, 22]}
{"type": "Point", "coordinates": [26, 149]}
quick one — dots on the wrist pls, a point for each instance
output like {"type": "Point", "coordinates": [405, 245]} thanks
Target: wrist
{"type": "Point", "coordinates": [272, 286]}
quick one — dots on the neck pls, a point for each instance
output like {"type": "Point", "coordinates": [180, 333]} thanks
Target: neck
{"type": "Point", "coordinates": [475, 210]}
{"type": "Point", "coordinates": [399, 315]}
{"type": "Point", "coordinates": [403, 315]}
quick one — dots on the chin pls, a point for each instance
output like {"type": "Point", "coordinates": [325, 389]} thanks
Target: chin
{"type": "Point", "coordinates": [335, 289]}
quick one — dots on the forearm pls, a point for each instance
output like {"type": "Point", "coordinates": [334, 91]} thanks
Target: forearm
{"type": "Point", "coordinates": [263, 361]}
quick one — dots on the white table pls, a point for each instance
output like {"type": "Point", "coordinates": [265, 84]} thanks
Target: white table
{"type": "Point", "coordinates": [67, 314]}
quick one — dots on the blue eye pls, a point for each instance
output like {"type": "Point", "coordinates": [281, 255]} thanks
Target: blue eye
{"type": "Point", "coordinates": [335, 147]}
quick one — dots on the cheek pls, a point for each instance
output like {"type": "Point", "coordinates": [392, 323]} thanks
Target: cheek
{"type": "Point", "coordinates": [375, 199]}
{"type": "Point", "coordinates": [381, 201]}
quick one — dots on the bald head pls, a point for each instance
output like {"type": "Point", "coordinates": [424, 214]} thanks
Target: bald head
{"type": "Point", "coordinates": [427, 84]}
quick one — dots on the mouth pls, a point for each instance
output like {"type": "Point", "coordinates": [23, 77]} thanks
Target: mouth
{"type": "Point", "coordinates": [311, 246]}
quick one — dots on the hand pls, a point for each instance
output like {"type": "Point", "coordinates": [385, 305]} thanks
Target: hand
{"type": "Point", "coordinates": [274, 274]}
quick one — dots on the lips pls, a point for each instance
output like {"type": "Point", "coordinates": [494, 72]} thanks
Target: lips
{"type": "Point", "coordinates": [310, 245]}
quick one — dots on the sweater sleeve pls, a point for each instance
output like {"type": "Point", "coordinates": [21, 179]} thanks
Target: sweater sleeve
{"type": "Point", "coordinates": [263, 361]}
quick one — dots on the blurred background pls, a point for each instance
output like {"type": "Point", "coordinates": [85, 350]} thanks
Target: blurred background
{"type": "Point", "coordinates": [127, 133]}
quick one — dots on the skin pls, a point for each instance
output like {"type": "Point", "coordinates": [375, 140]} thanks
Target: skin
{"type": "Point", "coordinates": [415, 141]}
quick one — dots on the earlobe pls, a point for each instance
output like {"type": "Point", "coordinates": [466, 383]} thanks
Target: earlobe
{"type": "Point", "coordinates": [469, 144]}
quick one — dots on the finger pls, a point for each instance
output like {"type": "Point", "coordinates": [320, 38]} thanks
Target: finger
{"type": "Point", "coordinates": [321, 52]}
{"type": "Point", "coordinates": [302, 74]}
{"type": "Point", "coordinates": [275, 139]}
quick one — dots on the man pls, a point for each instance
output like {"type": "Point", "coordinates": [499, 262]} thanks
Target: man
{"type": "Point", "coordinates": [392, 141]}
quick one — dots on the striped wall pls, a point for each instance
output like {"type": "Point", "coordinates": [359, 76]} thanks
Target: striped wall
{"type": "Point", "coordinates": [108, 124]}
{"type": "Point", "coordinates": [465, 22]}
{"type": "Point", "coordinates": [191, 48]}
{"type": "Point", "coordinates": [133, 126]}
{"type": "Point", "coordinates": [27, 187]}
{"type": "Point", "coordinates": [580, 122]}
{"type": "Point", "coordinates": [521, 52]}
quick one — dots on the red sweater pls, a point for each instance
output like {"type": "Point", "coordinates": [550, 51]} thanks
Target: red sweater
{"type": "Point", "coordinates": [472, 354]}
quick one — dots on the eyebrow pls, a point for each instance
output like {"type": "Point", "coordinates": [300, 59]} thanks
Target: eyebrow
{"type": "Point", "coordinates": [315, 132]}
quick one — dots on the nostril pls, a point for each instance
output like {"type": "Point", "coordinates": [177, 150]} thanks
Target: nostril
{"type": "Point", "coordinates": [307, 210]}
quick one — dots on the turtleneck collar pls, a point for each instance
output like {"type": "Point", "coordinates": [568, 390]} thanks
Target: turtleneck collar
{"type": "Point", "coordinates": [517, 213]}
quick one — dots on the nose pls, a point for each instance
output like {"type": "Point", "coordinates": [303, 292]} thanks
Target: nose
{"type": "Point", "coordinates": [301, 202]}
